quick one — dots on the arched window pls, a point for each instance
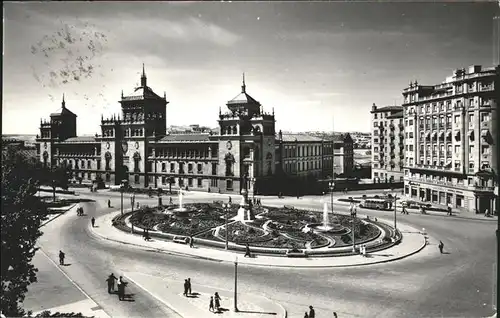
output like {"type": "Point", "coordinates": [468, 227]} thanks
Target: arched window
{"type": "Point", "coordinates": [235, 130]}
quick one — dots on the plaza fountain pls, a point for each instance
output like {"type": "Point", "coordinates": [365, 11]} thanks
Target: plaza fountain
{"type": "Point", "coordinates": [180, 210]}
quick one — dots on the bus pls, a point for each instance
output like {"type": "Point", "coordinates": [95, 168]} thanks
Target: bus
{"type": "Point", "coordinates": [377, 204]}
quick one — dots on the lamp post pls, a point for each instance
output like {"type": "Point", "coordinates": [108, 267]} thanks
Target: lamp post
{"type": "Point", "coordinates": [253, 188]}
{"type": "Point", "coordinates": [236, 284]}
{"type": "Point", "coordinates": [353, 215]}
{"type": "Point", "coordinates": [227, 208]}
{"type": "Point", "coordinates": [132, 199]}
{"type": "Point", "coordinates": [121, 197]}
{"type": "Point", "coordinates": [331, 185]}
{"type": "Point", "coordinates": [395, 198]}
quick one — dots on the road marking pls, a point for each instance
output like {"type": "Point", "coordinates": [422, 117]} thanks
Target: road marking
{"type": "Point", "coordinates": [71, 280]}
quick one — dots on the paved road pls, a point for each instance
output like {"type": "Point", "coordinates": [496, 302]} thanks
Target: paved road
{"type": "Point", "coordinates": [458, 284]}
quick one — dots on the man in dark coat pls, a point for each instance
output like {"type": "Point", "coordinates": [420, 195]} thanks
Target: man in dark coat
{"type": "Point", "coordinates": [93, 221]}
{"type": "Point", "coordinates": [121, 288]}
{"type": "Point", "coordinates": [312, 313]}
{"type": "Point", "coordinates": [111, 283]}
{"type": "Point", "coordinates": [61, 258]}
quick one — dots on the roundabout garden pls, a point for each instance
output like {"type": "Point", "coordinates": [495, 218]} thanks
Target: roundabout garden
{"type": "Point", "coordinates": [273, 230]}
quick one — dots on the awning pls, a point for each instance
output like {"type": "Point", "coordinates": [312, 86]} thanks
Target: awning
{"type": "Point", "coordinates": [485, 133]}
{"type": "Point", "coordinates": [448, 163]}
{"type": "Point", "coordinates": [427, 134]}
{"type": "Point", "coordinates": [434, 134]}
{"type": "Point", "coordinates": [457, 134]}
{"type": "Point", "coordinates": [448, 134]}
{"type": "Point", "coordinates": [441, 134]}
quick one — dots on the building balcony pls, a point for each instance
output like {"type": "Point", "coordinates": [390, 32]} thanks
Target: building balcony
{"type": "Point", "coordinates": [448, 125]}
{"type": "Point", "coordinates": [448, 154]}
{"type": "Point", "coordinates": [434, 153]}
{"type": "Point", "coordinates": [392, 127]}
{"type": "Point", "coordinates": [434, 126]}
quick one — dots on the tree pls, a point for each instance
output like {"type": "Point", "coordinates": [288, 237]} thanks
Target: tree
{"type": "Point", "coordinates": [54, 177]}
{"type": "Point", "coordinates": [22, 214]}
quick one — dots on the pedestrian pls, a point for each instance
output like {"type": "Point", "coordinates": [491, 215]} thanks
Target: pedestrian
{"type": "Point", "coordinates": [247, 251]}
{"type": "Point", "coordinates": [306, 315]}
{"type": "Point", "coordinates": [77, 211]}
{"type": "Point", "coordinates": [335, 315]}
{"type": "Point", "coordinates": [121, 288]}
{"type": "Point", "coordinates": [217, 301]}
{"type": "Point", "coordinates": [138, 205]}
{"type": "Point", "coordinates": [441, 247]}
{"type": "Point", "coordinates": [170, 201]}
{"type": "Point", "coordinates": [185, 288]}
{"type": "Point", "coordinates": [211, 305]}
{"type": "Point", "coordinates": [109, 203]}
{"type": "Point", "coordinates": [93, 221]}
{"type": "Point", "coordinates": [486, 213]}
{"type": "Point", "coordinates": [449, 210]}
{"type": "Point", "coordinates": [61, 258]}
{"type": "Point", "coordinates": [111, 283]}
{"type": "Point", "coordinates": [312, 313]}
{"type": "Point", "coordinates": [230, 201]}
{"type": "Point", "coordinates": [191, 241]}
{"type": "Point", "coordinates": [189, 286]}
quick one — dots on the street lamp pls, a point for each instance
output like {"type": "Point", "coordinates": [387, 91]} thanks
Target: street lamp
{"type": "Point", "coordinates": [331, 185]}
{"type": "Point", "coordinates": [227, 208]}
{"type": "Point", "coordinates": [395, 198]}
{"type": "Point", "coordinates": [236, 284]}
{"type": "Point", "coordinates": [353, 215]}
{"type": "Point", "coordinates": [253, 188]}
{"type": "Point", "coordinates": [121, 196]}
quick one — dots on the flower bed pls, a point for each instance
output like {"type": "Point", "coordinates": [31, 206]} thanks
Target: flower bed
{"type": "Point", "coordinates": [281, 242]}
{"type": "Point", "coordinates": [246, 234]}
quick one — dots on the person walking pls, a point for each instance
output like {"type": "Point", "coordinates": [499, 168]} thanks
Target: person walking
{"type": "Point", "coordinates": [185, 288]}
{"type": "Point", "coordinates": [93, 221]}
{"type": "Point", "coordinates": [170, 201]}
{"type": "Point", "coordinates": [111, 283]}
{"type": "Point", "coordinates": [189, 286]}
{"type": "Point", "coordinates": [191, 241]}
{"type": "Point", "coordinates": [247, 251]}
{"type": "Point", "coordinates": [335, 315]}
{"type": "Point", "coordinates": [211, 305]}
{"type": "Point", "coordinates": [61, 258]}
{"type": "Point", "coordinates": [121, 288]}
{"type": "Point", "coordinates": [306, 315]}
{"type": "Point", "coordinates": [217, 301]}
{"type": "Point", "coordinates": [109, 203]}
{"type": "Point", "coordinates": [441, 247]}
{"type": "Point", "coordinates": [230, 200]}
{"type": "Point", "coordinates": [312, 313]}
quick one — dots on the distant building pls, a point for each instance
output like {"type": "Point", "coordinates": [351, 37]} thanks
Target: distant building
{"type": "Point", "coordinates": [135, 146]}
{"type": "Point", "coordinates": [451, 130]}
{"type": "Point", "coordinates": [29, 151]}
{"type": "Point", "coordinates": [387, 144]}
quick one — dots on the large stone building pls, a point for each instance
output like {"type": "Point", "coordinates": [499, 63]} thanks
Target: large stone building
{"type": "Point", "coordinates": [451, 135]}
{"type": "Point", "coordinates": [135, 146]}
{"type": "Point", "coordinates": [387, 144]}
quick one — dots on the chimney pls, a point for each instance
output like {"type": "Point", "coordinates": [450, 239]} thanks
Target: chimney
{"type": "Point", "coordinates": [374, 107]}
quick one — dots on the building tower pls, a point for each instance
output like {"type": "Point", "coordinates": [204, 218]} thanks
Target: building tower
{"type": "Point", "coordinates": [62, 125]}
{"type": "Point", "coordinates": [247, 143]}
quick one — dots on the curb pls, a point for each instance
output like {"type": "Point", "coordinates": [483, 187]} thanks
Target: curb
{"type": "Point", "coordinates": [284, 312]}
{"type": "Point", "coordinates": [166, 251]}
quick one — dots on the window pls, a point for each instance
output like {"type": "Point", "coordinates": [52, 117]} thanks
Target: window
{"type": "Point", "coordinates": [172, 167]}
{"type": "Point", "coordinates": [375, 115]}
{"type": "Point", "coordinates": [98, 164]}
{"type": "Point", "coordinates": [471, 165]}
{"type": "Point", "coordinates": [214, 169]}
{"type": "Point", "coordinates": [375, 124]}
{"type": "Point", "coordinates": [411, 147]}
{"type": "Point", "coordinates": [163, 167]}
{"type": "Point", "coordinates": [411, 122]}
{"type": "Point", "coordinates": [471, 149]}
{"type": "Point", "coordinates": [190, 182]}
{"type": "Point", "coordinates": [190, 169]}
{"type": "Point", "coordinates": [199, 182]}
{"type": "Point", "coordinates": [457, 119]}
{"type": "Point", "coordinates": [229, 184]}
{"type": "Point", "coordinates": [457, 148]}
{"type": "Point", "coordinates": [485, 117]}
{"type": "Point", "coordinates": [214, 182]}
{"type": "Point", "coordinates": [471, 119]}
{"type": "Point", "coordinates": [200, 168]}
{"type": "Point", "coordinates": [485, 150]}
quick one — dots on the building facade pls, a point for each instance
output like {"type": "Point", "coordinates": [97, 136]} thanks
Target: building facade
{"type": "Point", "coordinates": [388, 146]}
{"type": "Point", "coordinates": [451, 135]}
{"type": "Point", "coordinates": [136, 147]}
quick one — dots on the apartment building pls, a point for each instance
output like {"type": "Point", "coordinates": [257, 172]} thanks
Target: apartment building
{"type": "Point", "coordinates": [387, 144]}
{"type": "Point", "coordinates": [450, 131]}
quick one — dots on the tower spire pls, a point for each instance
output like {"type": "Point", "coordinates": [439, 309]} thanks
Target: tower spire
{"type": "Point", "coordinates": [63, 102]}
{"type": "Point", "coordinates": [243, 87]}
{"type": "Point", "coordinates": [143, 77]}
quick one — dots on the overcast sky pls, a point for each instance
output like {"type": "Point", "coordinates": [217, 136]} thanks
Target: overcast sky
{"type": "Point", "coordinates": [318, 64]}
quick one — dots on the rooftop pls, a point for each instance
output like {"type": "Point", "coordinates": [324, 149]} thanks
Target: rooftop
{"type": "Point", "coordinates": [396, 115]}
{"type": "Point", "coordinates": [376, 109]}
{"type": "Point", "coordinates": [173, 138]}
{"type": "Point", "coordinates": [81, 139]}
{"type": "Point", "coordinates": [299, 138]}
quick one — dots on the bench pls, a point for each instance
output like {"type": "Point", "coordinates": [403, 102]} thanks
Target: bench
{"type": "Point", "coordinates": [290, 207]}
{"type": "Point", "coordinates": [181, 239]}
{"type": "Point", "coordinates": [296, 253]}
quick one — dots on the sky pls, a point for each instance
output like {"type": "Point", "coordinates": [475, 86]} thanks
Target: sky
{"type": "Point", "coordinates": [320, 65]}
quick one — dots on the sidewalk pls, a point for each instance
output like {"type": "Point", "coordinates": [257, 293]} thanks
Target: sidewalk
{"type": "Point", "coordinates": [413, 242]}
{"type": "Point", "coordinates": [170, 293]}
{"type": "Point", "coordinates": [56, 292]}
